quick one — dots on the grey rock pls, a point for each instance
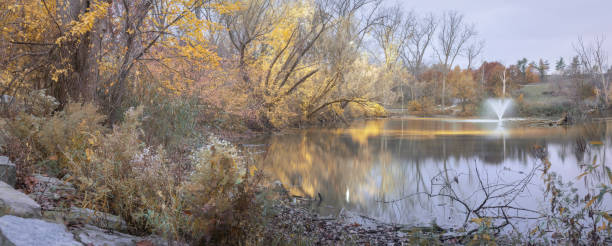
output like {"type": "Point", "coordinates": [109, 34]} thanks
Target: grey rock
{"type": "Point", "coordinates": [49, 191]}
{"type": "Point", "coordinates": [104, 220]}
{"type": "Point", "coordinates": [91, 235]}
{"type": "Point", "coordinates": [88, 216]}
{"type": "Point", "coordinates": [15, 231]}
{"type": "Point", "coordinates": [8, 173]}
{"type": "Point", "coordinates": [16, 203]}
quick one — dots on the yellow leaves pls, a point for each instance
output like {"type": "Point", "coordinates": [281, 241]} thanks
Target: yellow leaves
{"type": "Point", "coordinates": [582, 175]}
{"type": "Point", "coordinates": [86, 21]}
{"type": "Point", "coordinates": [89, 154]}
{"type": "Point", "coordinates": [607, 216]}
{"type": "Point", "coordinates": [591, 202]}
{"type": "Point", "coordinates": [533, 232]}
{"type": "Point", "coordinates": [561, 210]}
{"type": "Point", "coordinates": [482, 221]}
{"type": "Point", "coordinates": [252, 170]}
{"type": "Point", "coordinates": [596, 142]}
{"type": "Point", "coordinates": [224, 8]}
{"type": "Point", "coordinates": [602, 227]}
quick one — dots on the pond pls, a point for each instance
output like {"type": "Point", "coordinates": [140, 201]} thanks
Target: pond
{"type": "Point", "coordinates": [388, 169]}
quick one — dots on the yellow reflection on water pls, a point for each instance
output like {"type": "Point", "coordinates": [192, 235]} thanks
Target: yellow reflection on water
{"type": "Point", "coordinates": [361, 134]}
{"type": "Point", "coordinates": [379, 157]}
{"type": "Point", "coordinates": [435, 127]}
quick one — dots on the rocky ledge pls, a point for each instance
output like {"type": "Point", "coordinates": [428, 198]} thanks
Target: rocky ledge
{"type": "Point", "coordinates": [24, 222]}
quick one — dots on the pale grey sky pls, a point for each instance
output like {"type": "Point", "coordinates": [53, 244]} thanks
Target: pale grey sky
{"type": "Point", "coordinates": [531, 29]}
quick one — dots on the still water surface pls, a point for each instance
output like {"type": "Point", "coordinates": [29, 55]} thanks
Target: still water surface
{"type": "Point", "coordinates": [360, 167]}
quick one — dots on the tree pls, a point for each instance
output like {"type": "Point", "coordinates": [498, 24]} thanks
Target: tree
{"type": "Point", "coordinates": [51, 45]}
{"type": "Point", "coordinates": [251, 23]}
{"type": "Point", "coordinates": [574, 67]}
{"type": "Point", "coordinates": [492, 74]}
{"type": "Point", "coordinates": [87, 50]}
{"type": "Point", "coordinates": [462, 86]}
{"type": "Point", "coordinates": [594, 60]}
{"type": "Point", "coordinates": [299, 64]}
{"type": "Point", "coordinates": [522, 68]}
{"type": "Point", "coordinates": [452, 38]}
{"type": "Point", "coordinates": [391, 34]}
{"type": "Point", "coordinates": [542, 67]}
{"type": "Point", "coordinates": [472, 51]}
{"type": "Point", "coordinates": [530, 73]}
{"type": "Point", "coordinates": [421, 35]}
{"type": "Point", "coordinates": [560, 65]}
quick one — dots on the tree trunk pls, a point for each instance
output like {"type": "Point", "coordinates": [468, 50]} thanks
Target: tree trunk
{"type": "Point", "coordinates": [444, 92]}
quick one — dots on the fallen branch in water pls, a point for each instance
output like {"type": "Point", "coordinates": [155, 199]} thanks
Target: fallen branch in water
{"type": "Point", "coordinates": [484, 203]}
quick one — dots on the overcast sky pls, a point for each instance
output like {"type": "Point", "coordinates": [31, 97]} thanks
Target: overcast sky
{"type": "Point", "coordinates": [533, 29]}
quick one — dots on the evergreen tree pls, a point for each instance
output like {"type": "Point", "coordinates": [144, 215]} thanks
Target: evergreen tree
{"type": "Point", "coordinates": [574, 67]}
{"type": "Point", "coordinates": [542, 67]}
{"type": "Point", "coordinates": [560, 66]}
{"type": "Point", "coordinates": [522, 67]}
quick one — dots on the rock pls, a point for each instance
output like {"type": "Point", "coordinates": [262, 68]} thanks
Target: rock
{"type": "Point", "coordinates": [89, 216]}
{"type": "Point", "coordinates": [15, 231]}
{"type": "Point", "coordinates": [16, 203]}
{"type": "Point", "coordinates": [49, 191]}
{"type": "Point", "coordinates": [8, 172]}
{"type": "Point", "coordinates": [91, 235]}
{"type": "Point", "coordinates": [100, 219]}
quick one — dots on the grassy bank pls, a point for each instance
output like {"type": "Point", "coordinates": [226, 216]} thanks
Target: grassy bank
{"type": "Point", "coordinates": [541, 99]}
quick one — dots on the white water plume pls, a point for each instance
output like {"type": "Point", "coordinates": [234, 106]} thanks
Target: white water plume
{"type": "Point", "coordinates": [499, 106]}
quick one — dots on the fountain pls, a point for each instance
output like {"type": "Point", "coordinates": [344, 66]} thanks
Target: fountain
{"type": "Point", "coordinates": [500, 105]}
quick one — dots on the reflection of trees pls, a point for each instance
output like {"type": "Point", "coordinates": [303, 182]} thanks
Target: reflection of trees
{"type": "Point", "coordinates": [382, 160]}
{"type": "Point", "coordinates": [312, 162]}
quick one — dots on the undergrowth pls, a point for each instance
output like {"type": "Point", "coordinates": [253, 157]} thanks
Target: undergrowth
{"type": "Point", "coordinates": [207, 197]}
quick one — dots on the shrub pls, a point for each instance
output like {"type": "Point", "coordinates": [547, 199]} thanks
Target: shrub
{"type": "Point", "coordinates": [368, 109]}
{"type": "Point", "coordinates": [421, 106]}
{"type": "Point", "coordinates": [121, 175]}
{"type": "Point", "coordinates": [38, 137]}
{"type": "Point", "coordinates": [209, 197]}
{"type": "Point", "coordinates": [172, 122]}
{"type": "Point", "coordinates": [221, 195]}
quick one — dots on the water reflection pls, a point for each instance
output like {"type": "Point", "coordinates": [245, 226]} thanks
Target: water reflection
{"type": "Point", "coordinates": [381, 160]}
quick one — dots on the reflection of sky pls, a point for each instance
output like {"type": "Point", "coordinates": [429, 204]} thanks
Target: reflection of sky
{"type": "Point", "coordinates": [390, 159]}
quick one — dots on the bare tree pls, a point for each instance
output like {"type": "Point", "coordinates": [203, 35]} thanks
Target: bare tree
{"type": "Point", "coordinates": [247, 25]}
{"type": "Point", "coordinates": [391, 33]}
{"type": "Point", "coordinates": [594, 59]}
{"type": "Point", "coordinates": [421, 34]}
{"type": "Point", "coordinates": [473, 51]}
{"type": "Point", "coordinates": [452, 38]}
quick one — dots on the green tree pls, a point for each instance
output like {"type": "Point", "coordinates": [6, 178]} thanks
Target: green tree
{"type": "Point", "coordinates": [574, 67]}
{"type": "Point", "coordinates": [542, 67]}
{"type": "Point", "coordinates": [560, 65]}
{"type": "Point", "coordinates": [522, 68]}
